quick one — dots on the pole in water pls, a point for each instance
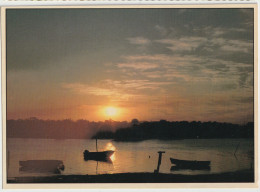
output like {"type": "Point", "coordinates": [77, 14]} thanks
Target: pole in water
{"type": "Point", "coordinates": [96, 145]}
{"type": "Point", "coordinates": [236, 149]}
{"type": "Point", "coordinates": [159, 161]}
{"type": "Point", "coordinates": [97, 168]}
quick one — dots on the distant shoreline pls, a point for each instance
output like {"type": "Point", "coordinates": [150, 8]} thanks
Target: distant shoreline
{"type": "Point", "coordinates": [166, 130]}
{"type": "Point", "coordinates": [245, 176]}
{"type": "Point", "coordinates": [126, 131]}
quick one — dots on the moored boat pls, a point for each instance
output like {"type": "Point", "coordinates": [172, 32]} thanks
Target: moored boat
{"type": "Point", "coordinates": [54, 166]}
{"type": "Point", "coordinates": [188, 164]}
{"type": "Point", "coordinates": [177, 168]}
{"type": "Point", "coordinates": [98, 156]}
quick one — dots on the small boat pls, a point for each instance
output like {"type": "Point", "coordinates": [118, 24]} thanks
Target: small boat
{"type": "Point", "coordinates": [98, 156]}
{"type": "Point", "coordinates": [177, 168]}
{"type": "Point", "coordinates": [188, 164]}
{"type": "Point", "coordinates": [54, 166]}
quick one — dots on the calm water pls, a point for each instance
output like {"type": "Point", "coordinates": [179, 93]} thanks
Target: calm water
{"type": "Point", "coordinates": [130, 156]}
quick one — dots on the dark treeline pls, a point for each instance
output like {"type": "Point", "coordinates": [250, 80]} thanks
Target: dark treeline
{"type": "Point", "coordinates": [124, 131]}
{"type": "Point", "coordinates": [178, 130]}
{"type": "Point", "coordinates": [59, 129]}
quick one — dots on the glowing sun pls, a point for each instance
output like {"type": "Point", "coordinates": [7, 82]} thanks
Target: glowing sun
{"type": "Point", "coordinates": [110, 111]}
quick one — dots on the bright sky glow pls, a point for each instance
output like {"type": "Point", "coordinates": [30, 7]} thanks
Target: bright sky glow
{"type": "Point", "coordinates": [152, 64]}
{"type": "Point", "coordinates": [110, 111]}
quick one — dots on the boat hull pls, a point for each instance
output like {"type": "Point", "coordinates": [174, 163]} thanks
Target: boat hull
{"type": "Point", "coordinates": [54, 166]}
{"type": "Point", "coordinates": [194, 165]}
{"type": "Point", "coordinates": [98, 156]}
{"type": "Point", "coordinates": [177, 168]}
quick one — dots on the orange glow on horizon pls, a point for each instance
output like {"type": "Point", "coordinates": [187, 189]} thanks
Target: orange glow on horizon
{"type": "Point", "coordinates": [110, 112]}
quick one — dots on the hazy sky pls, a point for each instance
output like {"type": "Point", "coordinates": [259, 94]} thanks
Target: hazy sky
{"type": "Point", "coordinates": [150, 64]}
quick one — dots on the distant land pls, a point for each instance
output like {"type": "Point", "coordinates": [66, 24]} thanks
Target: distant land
{"type": "Point", "coordinates": [165, 130]}
{"type": "Point", "coordinates": [125, 131]}
{"type": "Point", "coordinates": [59, 129]}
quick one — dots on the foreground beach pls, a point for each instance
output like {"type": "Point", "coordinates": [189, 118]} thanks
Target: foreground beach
{"type": "Point", "coordinates": [229, 177]}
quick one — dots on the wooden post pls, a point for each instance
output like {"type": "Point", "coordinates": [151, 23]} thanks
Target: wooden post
{"type": "Point", "coordinates": [96, 145]}
{"type": "Point", "coordinates": [97, 168]}
{"type": "Point", "coordinates": [159, 161]}
{"type": "Point", "coordinates": [236, 148]}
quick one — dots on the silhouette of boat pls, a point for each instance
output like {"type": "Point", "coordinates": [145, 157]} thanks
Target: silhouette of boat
{"type": "Point", "coordinates": [187, 164]}
{"type": "Point", "coordinates": [177, 168]}
{"type": "Point", "coordinates": [54, 166]}
{"type": "Point", "coordinates": [98, 156]}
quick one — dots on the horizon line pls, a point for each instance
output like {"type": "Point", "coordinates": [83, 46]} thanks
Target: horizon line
{"type": "Point", "coordinates": [140, 121]}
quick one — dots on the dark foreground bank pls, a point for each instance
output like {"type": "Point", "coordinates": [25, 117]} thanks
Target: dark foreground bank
{"type": "Point", "coordinates": [230, 177]}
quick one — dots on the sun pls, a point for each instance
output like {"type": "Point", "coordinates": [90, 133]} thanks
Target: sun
{"type": "Point", "coordinates": [110, 111]}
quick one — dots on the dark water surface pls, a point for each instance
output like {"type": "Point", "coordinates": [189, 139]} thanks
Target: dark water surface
{"type": "Point", "coordinates": [130, 156]}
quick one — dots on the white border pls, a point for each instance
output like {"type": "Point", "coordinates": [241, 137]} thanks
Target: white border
{"type": "Point", "coordinates": [160, 3]}
{"type": "Point", "coordinates": [120, 2]}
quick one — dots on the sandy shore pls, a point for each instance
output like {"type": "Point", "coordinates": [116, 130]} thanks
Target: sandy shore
{"type": "Point", "coordinates": [239, 176]}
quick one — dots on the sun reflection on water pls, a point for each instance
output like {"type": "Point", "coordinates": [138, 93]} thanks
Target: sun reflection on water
{"type": "Point", "coordinates": [111, 147]}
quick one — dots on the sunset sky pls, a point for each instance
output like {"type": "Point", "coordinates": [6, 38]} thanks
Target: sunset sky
{"type": "Point", "coordinates": [149, 64]}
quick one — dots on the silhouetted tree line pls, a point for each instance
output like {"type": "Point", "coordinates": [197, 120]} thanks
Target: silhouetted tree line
{"type": "Point", "coordinates": [166, 130]}
{"type": "Point", "coordinates": [59, 129]}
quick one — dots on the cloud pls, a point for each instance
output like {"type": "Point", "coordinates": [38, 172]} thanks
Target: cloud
{"type": "Point", "coordinates": [233, 45]}
{"type": "Point", "coordinates": [238, 46]}
{"type": "Point", "coordinates": [147, 58]}
{"type": "Point", "coordinates": [174, 68]}
{"type": "Point", "coordinates": [123, 90]}
{"type": "Point", "coordinates": [109, 90]}
{"type": "Point", "coordinates": [218, 32]}
{"type": "Point", "coordinates": [183, 44]}
{"type": "Point", "coordinates": [234, 48]}
{"type": "Point", "coordinates": [138, 40]}
{"type": "Point", "coordinates": [138, 65]}
{"type": "Point", "coordinates": [211, 53]}
{"type": "Point", "coordinates": [221, 31]}
{"type": "Point", "coordinates": [162, 30]}
{"type": "Point", "coordinates": [212, 44]}
{"type": "Point", "coordinates": [206, 40]}
{"type": "Point", "coordinates": [186, 69]}
{"type": "Point", "coordinates": [243, 79]}
{"type": "Point", "coordinates": [137, 84]}
{"type": "Point", "coordinates": [85, 89]}
{"type": "Point", "coordinates": [188, 62]}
